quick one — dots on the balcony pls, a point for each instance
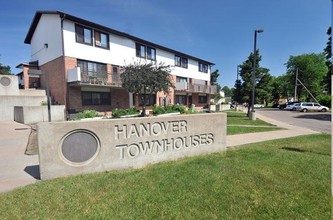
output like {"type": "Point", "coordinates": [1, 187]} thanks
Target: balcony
{"type": "Point", "coordinates": [100, 78]}
{"type": "Point", "coordinates": [195, 88]}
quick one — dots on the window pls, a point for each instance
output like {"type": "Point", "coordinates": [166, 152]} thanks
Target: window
{"type": "Point", "coordinates": [115, 69]}
{"type": "Point", "coordinates": [151, 53]}
{"type": "Point", "coordinates": [184, 62]}
{"type": "Point", "coordinates": [96, 98]}
{"type": "Point", "coordinates": [203, 67]}
{"type": "Point", "coordinates": [181, 79]}
{"type": "Point", "coordinates": [91, 69]}
{"type": "Point", "coordinates": [181, 99]}
{"type": "Point", "coordinates": [150, 99]}
{"type": "Point", "coordinates": [83, 35]}
{"type": "Point", "coordinates": [181, 61]}
{"type": "Point", "coordinates": [200, 82]}
{"type": "Point", "coordinates": [178, 61]}
{"type": "Point", "coordinates": [202, 99]}
{"type": "Point", "coordinates": [140, 51]}
{"type": "Point", "coordinates": [101, 39]}
{"type": "Point", "coordinates": [144, 51]}
{"type": "Point", "coordinates": [115, 75]}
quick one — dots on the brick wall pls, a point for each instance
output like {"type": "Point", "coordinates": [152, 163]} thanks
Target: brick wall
{"type": "Point", "coordinates": [195, 100]}
{"type": "Point", "coordinates": [119, 99]}
{"type": "Point", "coordinates": [57, 80]}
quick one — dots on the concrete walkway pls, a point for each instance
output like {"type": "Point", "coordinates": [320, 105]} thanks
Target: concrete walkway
{"type": "Point", "coordinates": [290, 131]}
{"type": "Point", "coordinates": [19, 169]}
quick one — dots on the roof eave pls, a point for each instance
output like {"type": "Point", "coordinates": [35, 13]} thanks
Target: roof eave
{"type": "Point", "coordinates": [103, 28]}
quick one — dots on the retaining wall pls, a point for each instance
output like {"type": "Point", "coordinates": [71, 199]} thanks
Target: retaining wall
{"type": "Point", "coordinates": [35, 114]}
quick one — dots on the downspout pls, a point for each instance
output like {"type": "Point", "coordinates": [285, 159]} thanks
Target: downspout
{"type": "Point", "coordinates": [63, 16]}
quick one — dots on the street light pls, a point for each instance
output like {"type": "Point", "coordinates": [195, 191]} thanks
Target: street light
{"type": "Point", "coordinates": [237, 93]}
{"type": "Point", "coordinates": [238, 71]}
{"type": "Point", "coordinates": [252, 114]}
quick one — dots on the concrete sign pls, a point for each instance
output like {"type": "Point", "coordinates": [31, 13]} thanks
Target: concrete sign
{"type": "Point", "coordinates": [70, 148]}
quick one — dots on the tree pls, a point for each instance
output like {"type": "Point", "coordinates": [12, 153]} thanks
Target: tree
{"type": "Point", "coordinates": [264, 89]}
{"type": "Point", "coordinates": [311, 69]}
{"type": "Point", "coordinates": [227, 91]}
{"type": "Point", "coordinates": [237, 92]}
{"type": "Point", "coordinates": [146, 79]}
{"type": "Point", "coordinates": [262, 79]}
{"type": "Point", "coordinates": [4, 70]}
{"type": "Point", "coordinates": [213, 81]}
{"type": "Point", "coordinates": [280, 87]}
{"type": "Point", "coordinates": [328, 56]}
{"type": "Point", "coordinates": [214, 76]}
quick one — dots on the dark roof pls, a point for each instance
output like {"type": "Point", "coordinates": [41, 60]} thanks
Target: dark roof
{"type": "Point", "coordinates": [102, 28]}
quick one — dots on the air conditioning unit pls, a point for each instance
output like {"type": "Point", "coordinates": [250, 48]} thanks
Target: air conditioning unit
{"type": "Point", "coordinates": [74, 75]}
{"type": "Point", "coordinates": [98, 43]}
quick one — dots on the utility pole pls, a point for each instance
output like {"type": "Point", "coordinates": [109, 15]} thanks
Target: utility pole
{"type": "Point", "coordinates": [296, 81]}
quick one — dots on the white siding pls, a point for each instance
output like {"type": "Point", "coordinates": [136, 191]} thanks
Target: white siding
{"type": "Point", "coordinates": [48, 31]}
{"type": "Point", "coordinates": [122, 51]}
{"type": "Point", "coordinates": [191, 72]}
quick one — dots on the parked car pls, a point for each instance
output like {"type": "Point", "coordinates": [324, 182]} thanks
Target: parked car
{"type": "Point", "coordinates": [283, 106]}
{"type": "Point", "coordinates": [258, 105]}
{"type": "Point", "coordinates": [292, 106]}
{"type": "Point", "coordinates": [311, 106]}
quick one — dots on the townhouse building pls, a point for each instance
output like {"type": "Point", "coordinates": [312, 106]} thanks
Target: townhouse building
{"type": "Point", "coordinates": [81, 63]}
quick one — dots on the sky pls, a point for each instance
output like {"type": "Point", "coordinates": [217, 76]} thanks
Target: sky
{"type": "Point", "coordinates": [219, 31]}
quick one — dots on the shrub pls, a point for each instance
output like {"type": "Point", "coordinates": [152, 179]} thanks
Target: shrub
{"type": "Point", "coordinates": [86, 114]}
{"type": "Point", "coordinates": [132, 110]}
{"type": "Point", "coordinates": [117, 113]}
{"type": "Point", "coordinates": [169, 109]}
{"type": "Point", "coordinates": [325, 100]}
{"type": "Point", "coordinates": [157, 110]}
{"type": "Point", "coordinates": [178, 108]}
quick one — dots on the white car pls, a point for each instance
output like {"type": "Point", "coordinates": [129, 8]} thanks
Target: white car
{"type": "Point", "coordinates": [311, 106]}
{"type": "Point", "coordinates": [292, 106]}
{"type": "Point", "coordinates": [258, 106]}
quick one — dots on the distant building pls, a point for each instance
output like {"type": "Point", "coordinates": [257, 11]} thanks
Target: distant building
{"type": "Point", "coordinates": [83, 61]}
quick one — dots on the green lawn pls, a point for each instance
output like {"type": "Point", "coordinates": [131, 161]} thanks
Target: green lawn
{"type": "Point", "coordinates": [239, 123]}
{"type": "Point", "coordinates": [280, 179]}
{"type": "Point", "coordinates": [240, 118]}
{"type": "Point", "coordinates": [242, 130]}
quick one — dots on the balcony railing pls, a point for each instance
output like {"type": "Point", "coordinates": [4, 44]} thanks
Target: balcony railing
{"type": "Point", "coordinates": [195, 88]}
{"type": "Point", "coordinates": [99, 78]}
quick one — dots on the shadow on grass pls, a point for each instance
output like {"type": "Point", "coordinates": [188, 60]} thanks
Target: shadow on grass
{"type": "Point", "coordinates": [293, 149]}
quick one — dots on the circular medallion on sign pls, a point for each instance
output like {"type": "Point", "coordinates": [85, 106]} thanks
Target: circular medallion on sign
{"type": "Point", "coordinates": [5, 81]}
{"type": "Point", "coordinates": [79, 147]}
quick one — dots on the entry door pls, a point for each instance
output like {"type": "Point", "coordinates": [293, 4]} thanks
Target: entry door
{"type": "Point", "coordinates": [189, 101]}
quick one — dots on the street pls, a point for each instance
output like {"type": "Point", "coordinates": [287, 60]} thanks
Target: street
{"type": "Point", "coordinates": [317, 121]}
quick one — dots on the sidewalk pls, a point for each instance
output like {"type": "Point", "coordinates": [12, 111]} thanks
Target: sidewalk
{"type": "Point", "coordinates": [290, 131]}
{"type": "Point", "coordinates": [19, 169]}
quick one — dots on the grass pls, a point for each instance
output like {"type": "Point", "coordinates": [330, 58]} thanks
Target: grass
{"type": "Point", "coordinates": [239, 123]}
{"type": "Point", "coordinates": [280, 179]}
{"type": "Point", "coordinates": [231, 130]}
{"type": "Point", "coordinates": [240, 118]}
